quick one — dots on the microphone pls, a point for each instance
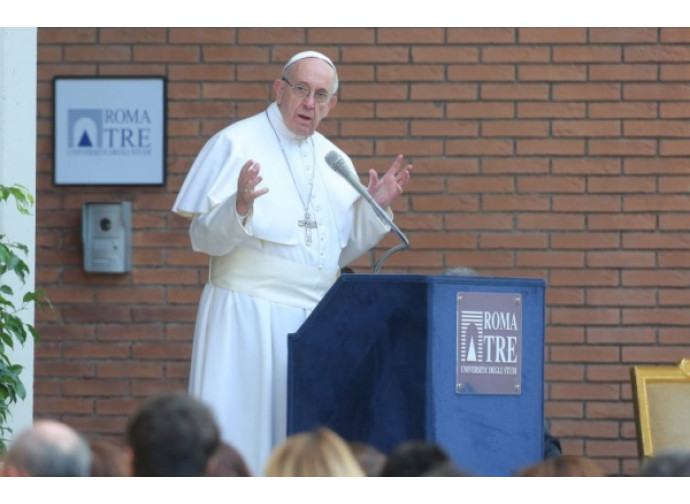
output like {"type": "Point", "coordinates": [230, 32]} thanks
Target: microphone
{"type": "Point", "coordinates": [337, 163]}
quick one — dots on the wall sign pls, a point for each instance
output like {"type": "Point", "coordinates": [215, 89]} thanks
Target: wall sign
{"type": "Point", "coordinates": [109, 130]}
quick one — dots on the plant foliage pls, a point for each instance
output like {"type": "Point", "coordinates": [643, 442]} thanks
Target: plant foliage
{"type": "Point", "coordinates": [13, 329]}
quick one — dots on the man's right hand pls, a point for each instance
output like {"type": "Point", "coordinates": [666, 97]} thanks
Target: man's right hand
{"type": "Point", "coordinates": [246, 187]}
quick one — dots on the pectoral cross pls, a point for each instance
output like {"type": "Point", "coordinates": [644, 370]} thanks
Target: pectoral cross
{"type": "Point", "coordinates": [308, 226]}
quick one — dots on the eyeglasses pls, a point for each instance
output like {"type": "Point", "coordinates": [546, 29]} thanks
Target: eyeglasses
{"type": "Point", "coordinates": [321, 96]}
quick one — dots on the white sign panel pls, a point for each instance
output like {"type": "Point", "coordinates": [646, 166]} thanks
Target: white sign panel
{"type": "Point", "coordinates": [109, 131]}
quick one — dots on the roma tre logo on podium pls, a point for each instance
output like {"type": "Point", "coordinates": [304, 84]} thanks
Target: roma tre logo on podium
{"type": "Point", "coordinates": [489, 343]}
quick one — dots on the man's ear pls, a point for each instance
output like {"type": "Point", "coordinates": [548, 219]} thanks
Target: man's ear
{"type": "Point", "coordinates": [278, 88]}
{"type": "Point", "coordinates": [331, 103]}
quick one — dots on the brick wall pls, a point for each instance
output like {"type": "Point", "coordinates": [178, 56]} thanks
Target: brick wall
{"type": "Point", "coordinates": [552, 153]}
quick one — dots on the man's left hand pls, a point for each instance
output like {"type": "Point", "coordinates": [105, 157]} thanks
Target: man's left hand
{"type": "Point", "coordinates": [390, 186]}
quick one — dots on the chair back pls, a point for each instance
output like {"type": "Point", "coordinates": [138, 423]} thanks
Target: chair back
{"type": "Point", "coordinates": [661, 395]}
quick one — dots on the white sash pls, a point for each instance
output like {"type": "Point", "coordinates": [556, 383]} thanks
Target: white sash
{"type": "Point", "coordinates": [272, 278]}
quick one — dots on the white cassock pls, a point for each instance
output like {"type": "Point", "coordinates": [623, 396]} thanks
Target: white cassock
{"type": "Point", "coordinates": [267, 273]}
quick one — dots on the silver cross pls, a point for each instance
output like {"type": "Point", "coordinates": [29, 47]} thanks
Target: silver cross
{"type": "Point", "coordinates": [308, 226]}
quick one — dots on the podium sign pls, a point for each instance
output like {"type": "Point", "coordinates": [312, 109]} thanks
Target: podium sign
{"type": "Point", "coordinates": [489, 343]}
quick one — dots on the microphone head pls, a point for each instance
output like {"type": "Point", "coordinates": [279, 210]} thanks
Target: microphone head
{"type": "Point", "coordinates": [336, 162]}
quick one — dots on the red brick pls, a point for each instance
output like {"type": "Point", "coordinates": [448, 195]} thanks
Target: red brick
{"type": "Point", "coordinates": [548, 259]}
{"type": "Point", "coordinates": [551, 35]}
{"type": "Point", "coordinates": [621, 222]}
{"type": "Point", "coordinates": [129, 370]}
{"type": "Point", "coordinates": [587, 316]}
{"type": "Point", "coordinates": [438, 92]}
{"type": "Point", "coordinates": [673, 336]}
{"type": "Point", "coordinates": [385, 54]}
{"type": "Point", "coordinates": [563, 296]}
{"type": "Point", "coordinates": [621, 259]}
{"type": "Point", "coordinates": [622, 72]}
{"type": "Point", "coordinates": [656, 54]}
{"type": "Point", "coordinates": [514, 92]}
{"type": "Point", "coordinates": [623, 110]}
{"type": "Point", "coordinates": [516, 54]}
{"type": "Point", "coordinates": [480, 110]}
{"type": "Point", "coordinates": [587, 54]}
{"type": "Point", "coordinates": [552, 73]}
{"type": "Point", "coordinates": [622, 147]}
{"type": "Point", "coordinates": [589, 429]}
{"type": "Point", "coordinates": [479, 147]}
{"type": "Point", "coordinates": [586, 92]}
{"type": "Point", "coordinates": [341, 35]}
{"type": "Point", "coordinates": [479, 222]}
{"type": "Point", "coordinates": [132, 35]}
{"type": "Point", "coordinates": [479, 72]}
{"type": "Point", "coordinates": [445, 55]}
{"type": "Point", "coordinates": [100, 54]}
{"type": "Point", "coordinates": [586, 128]}
{"type": "Point", "coordinates": [551, 147]}
{"type": "Point", "coordinates": [410, 35]}
{"type": "Point", "coordinates": [510, 240]}
{"type": "Point", "coordinates": [515, 129]}
{"type": "Point", "coordinates": [568, 203]}
{"type": "Point", "coordinates": [201, 35]}
{"type": "Point", "coordinates": [166, 351]}
{"type": "Point", "coordinates": [642, 166]}
{"type": "Point", "coordinates": [67, 35]}
{"type": "Point", "coordinates": [550, 222]}
{"type": "Point", "coordinates": [607, 392]}
{"type": "Point", "coordinates": [656, 316]}
{"type": "Point", "coordinates": [623, 35]}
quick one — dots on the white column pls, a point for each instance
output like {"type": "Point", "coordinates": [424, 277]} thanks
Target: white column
{"type": "Point", "coordinates": [18, 54]}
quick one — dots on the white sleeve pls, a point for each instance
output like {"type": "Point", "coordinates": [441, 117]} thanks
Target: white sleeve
{"type": "Point", "coordinates": [220, 230]}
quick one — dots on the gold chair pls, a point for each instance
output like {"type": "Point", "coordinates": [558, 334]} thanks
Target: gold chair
{"type": "Point", "coordinates": [661, 395]}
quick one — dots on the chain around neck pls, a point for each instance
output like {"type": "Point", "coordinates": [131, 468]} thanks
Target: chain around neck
{"type": "Point", "coordinates": [292, 175]}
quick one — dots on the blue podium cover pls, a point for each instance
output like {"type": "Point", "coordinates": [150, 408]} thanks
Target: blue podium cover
{"type": "Point", "coordinates": [384, 359]}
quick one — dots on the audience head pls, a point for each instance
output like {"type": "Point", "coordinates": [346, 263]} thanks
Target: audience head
{"type": "Point", "coordinates": [49, 449]}
{"type": "Point", "coordinates": [414, 458]}
{"type": "Point", "coordinates": [564, 466]}
{"type": "Point", "coordinates": [368, 457]}
{"type": "Point", "coordinates": [107, 459]}
{"type": "Point", "coordinates": [461, 271]}
{"type": "Point", "coordinates": [172, 435]}
{"type": "Point", "coordinates": [445, 469]}
{"type": "Point", "coordinates": [667, 464]}
{"type": "Point", "coordinates": [318, 453]}
{"type": "Point", "coordinates": [227, 461]}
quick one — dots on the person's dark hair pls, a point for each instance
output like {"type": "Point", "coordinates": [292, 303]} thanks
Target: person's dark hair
{"type": "Point", "coordinates": [172, 435]}
{"type": "Point", "coordinates": [227, 462]}
{"type": "Point", "coordinates": [446, 469]}
{"type": "Point", "coordinates": [414, 458]}
{"type": "Point", "coordinates": [667, 464]}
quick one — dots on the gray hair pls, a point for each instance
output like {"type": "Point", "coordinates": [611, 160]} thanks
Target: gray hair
{"type": "Point", "coordinates": [461, 271]}
{"type": "Point", "coordinates": [50, 449]}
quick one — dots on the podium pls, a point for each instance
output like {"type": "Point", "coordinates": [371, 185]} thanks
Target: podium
{"type": "Point", "coordinates": [458, 361]}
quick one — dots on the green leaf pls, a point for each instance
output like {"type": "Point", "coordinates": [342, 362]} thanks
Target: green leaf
{"type": "Point", "coordinates": [6, 289]}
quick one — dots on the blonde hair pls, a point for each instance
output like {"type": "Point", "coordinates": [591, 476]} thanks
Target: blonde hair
{"type": "Point", "coordinates": [318, 453]}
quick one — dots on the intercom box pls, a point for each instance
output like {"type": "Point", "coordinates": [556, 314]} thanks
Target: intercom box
{"type": "Point", "coordinates": [107, 236]}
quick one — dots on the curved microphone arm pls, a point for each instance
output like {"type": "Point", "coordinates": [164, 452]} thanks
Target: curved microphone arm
{"type": "Point", "coordinates": [337, 163]}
